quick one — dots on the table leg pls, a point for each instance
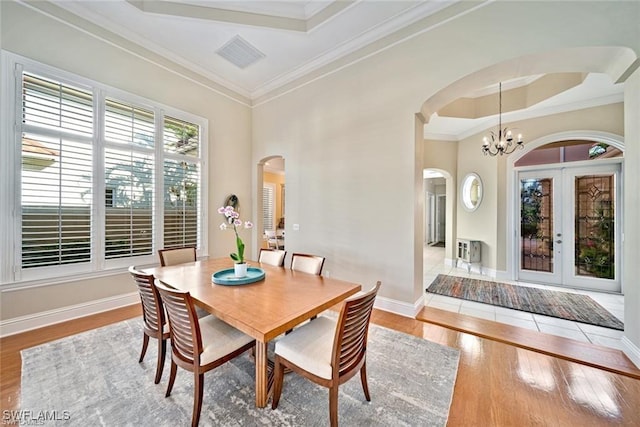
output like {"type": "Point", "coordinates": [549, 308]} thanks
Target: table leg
{"type": "Point", "coordinates": [262, 374]}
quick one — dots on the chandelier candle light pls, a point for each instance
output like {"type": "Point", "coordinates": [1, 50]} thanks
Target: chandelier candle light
{"type": "Point", "coordinates": [502, 141]}
{"type": "Point", "coordinates": [233, 218]}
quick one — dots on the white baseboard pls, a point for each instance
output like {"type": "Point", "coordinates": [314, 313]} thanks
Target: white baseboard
{"type": "Point", "coordinates": [631, 350]}
{"type": "Point", "coordinates": [398, 307]}
{"type": "Point", "coordinates": [20, 324]}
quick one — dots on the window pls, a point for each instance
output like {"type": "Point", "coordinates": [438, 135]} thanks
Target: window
{"type": "Point", "coordinates": [181, 183]}
{"type": "Point", "coordinates": [102, 178]}
{"type": "Point", "coordinates": [268, 206]}
{"type": "Point", "coordinates": [57, 126]}
{"type": "Point", "coordinates": [128, 160]}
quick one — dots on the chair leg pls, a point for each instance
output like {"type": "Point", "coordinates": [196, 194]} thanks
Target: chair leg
{"type": "Point", "coordinates": [172, 378]}
{"type": "Point", "coordinates": [363, 378]}
{"type": "Point", "coordinates": [145, 343]}
{"type": "Point", "coordinates": [278, 378]}
{"type": "Point", "coordinates": [197, 398]}
{"type": "Point", "coordinates": [162, 350]}
{"type": "Point", "coordinates": [333, 405]}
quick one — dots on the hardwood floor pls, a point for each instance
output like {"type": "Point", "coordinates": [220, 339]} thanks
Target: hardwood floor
{"type": "Point", "coordinates": [497, 384]}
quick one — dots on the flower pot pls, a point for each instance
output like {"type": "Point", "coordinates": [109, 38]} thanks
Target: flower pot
{"type": "Point", "coordinates": [240, 270]}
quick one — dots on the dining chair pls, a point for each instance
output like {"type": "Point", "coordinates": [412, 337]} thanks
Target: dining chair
{"type": "Point", "coordinates": [198, 345]}
{"type": "Point", "coordinates": [274, 241]}
{"type": "Point", "coordinates": [307, 263]}
{"type": "Point", "coordinates": [273, 257]}
{"type": "Point", "coordinates": [173, 256]}
{"type": "Point", "coordinates": [153, 317]}
{"type": "Point", "coordinates": [328, 352]}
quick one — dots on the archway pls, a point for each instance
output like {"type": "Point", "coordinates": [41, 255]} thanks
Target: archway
{"type": "Point", "coordinates": [439, 221]}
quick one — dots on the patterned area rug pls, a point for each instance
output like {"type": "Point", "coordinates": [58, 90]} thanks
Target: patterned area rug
{"type": "Point", "coordinates": [94, 378]}
{"type": "Point", "coordinates": [564, 305]}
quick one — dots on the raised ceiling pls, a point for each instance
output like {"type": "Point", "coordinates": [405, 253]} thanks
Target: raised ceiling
{"type": "Point", "coordinates": [294, 36]}
{"type": "Point", "coordinates": [255, 48]}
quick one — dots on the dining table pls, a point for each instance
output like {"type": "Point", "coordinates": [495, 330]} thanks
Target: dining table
{"type": "Point", "coordinates": [264, 309]}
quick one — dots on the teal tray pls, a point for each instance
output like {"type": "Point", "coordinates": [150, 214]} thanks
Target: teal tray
{"type": "Point", "coordinates": [227, 277]}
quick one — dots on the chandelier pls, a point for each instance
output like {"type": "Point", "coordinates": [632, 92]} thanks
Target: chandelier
{"type": "Point", "coordinates": [502, 141]}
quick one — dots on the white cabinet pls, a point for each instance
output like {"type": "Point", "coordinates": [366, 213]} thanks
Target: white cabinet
{"type": "Point", "coordinates": [469, 252]}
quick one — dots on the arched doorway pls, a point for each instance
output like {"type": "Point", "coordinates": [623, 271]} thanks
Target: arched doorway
{"type": "Point", "coordinates": [438, 221]}
{"type": "Point", "coordinates": [271, 192]}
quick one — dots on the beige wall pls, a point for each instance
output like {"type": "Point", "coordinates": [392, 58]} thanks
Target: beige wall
{"type": "Point", "coordinates": [229, 134]}
{"type": "Point", "coordinates": [631, 200]}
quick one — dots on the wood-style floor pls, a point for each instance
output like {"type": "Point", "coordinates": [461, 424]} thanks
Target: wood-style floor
{"type": "Point", "coordinates": [497, 384]}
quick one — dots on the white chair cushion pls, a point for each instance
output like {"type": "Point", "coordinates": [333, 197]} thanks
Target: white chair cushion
{"type": "Point", "coordinates": [219, 339]}
{"type": "Point", "coordinates": [310, 346]}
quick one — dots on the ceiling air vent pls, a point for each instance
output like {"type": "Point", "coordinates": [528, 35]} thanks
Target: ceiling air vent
{"type": "Point", "coordinates": [239, 52]}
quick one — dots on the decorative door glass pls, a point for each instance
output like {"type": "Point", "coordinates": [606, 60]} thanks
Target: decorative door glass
{"type": "Point", "coordinates": [595, 226]}
{"type": "Point", "coordinates": [536, 227]}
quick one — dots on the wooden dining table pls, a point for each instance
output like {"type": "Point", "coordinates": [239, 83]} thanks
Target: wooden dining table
{"type": "Point", "coordinates": [263, 310]}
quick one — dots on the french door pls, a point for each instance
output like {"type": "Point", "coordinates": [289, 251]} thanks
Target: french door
{"type": "Point", "coordinates": [569, 233]}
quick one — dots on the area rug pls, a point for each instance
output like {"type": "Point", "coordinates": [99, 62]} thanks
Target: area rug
{"type": "Point", "coordinates": [563, 305]}
{"type": "Point", "coordinates": [94, 378]}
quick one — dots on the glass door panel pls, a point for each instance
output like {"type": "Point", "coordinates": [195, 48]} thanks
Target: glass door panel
{"type": "Point", "coordinates": [536, 236]}
{"type": "Point", "coordinates": [594, 215]}
{"type": "Point", "coordinates": [539, 221]}
{"type": "Point", "coordinates": [595, 226]}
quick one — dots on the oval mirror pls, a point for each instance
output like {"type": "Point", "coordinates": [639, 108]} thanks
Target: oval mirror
{"type": "Point", "coordinates": [471, 192]}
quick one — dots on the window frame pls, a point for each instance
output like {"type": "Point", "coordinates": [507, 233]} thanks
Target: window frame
{"type": "Point", "coordinates": [12, 275]}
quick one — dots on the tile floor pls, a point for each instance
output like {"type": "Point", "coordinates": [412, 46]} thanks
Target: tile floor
{"type": "Point", "coordinates": [434, 264]}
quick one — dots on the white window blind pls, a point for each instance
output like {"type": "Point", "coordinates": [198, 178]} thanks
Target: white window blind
{"type": "Point", "coordinates": [100, 179]}
{"type": "Point", "coordinates": [267, 207]}
{"type": "Point", "coordinates": [182, 179]}
{"type": "Point", "coordinates": [56, 173]}
{"type": "Point", "coordinates": [129, 182]}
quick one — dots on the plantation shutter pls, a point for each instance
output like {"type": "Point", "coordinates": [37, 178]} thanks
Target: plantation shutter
{"type": "Point", "coordinates": [182, 183]}
{"type": "Point", "coordinates": [267, 207]}
{"type": "Point", "coordinates": [129, 183]}
{"type": "Point", "coordinates": [56, 169]}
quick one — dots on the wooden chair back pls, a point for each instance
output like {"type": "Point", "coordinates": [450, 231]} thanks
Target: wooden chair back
{"type": "Point", "coordinates": [186, 341]}
{"type": "Point", "coordinates": [350, 343]}
{"type": "Point", "coordinates": [273, 257]}
{"type": "Point", "coordinates": [152, 307]}
{"type": "Point", "coordinates": [307, 263]}
{"type": "Point", "coordinates": [175, 256]}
